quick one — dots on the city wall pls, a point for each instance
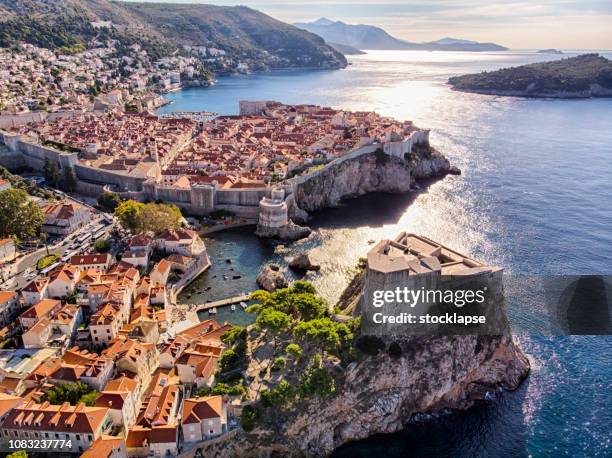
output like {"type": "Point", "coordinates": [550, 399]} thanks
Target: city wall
{"type": "Point", "coordinates": [34, 155]}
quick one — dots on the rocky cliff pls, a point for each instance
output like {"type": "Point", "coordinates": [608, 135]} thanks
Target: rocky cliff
{"type": "Point", "coordinates": [379, 394]}
{"type": "Point", "coordinates": [370, 172]}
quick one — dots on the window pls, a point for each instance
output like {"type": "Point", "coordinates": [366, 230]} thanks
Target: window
{"type": "Point", "coordinates": [90, 437]}
{"type": "Point", "coordinates": [78, 436]}
{"type": "Point", "coordinates": [56, 436]}
{"type": "Point", "coordinates": [95, 331]}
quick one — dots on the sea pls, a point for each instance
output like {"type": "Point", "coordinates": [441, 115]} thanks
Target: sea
{"type": "Point", "coordinates": [534, 197]}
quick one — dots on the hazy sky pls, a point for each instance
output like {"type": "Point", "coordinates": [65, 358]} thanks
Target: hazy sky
{"type": "Point", "coordinates": [580, 24]}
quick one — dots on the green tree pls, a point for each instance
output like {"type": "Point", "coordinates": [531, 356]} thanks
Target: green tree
{"type": "Point", "coordinates": [68, 181]}
{"type": "Point", "coordinates": [228, 359]}
{"type": "Point", "coordinates": [278, 363]}
{"type": "Point", "coordinates": [72, 392]}
{"type": "Point", "coordinates": [309, 306]}
{"type": "Point", "coordinates": [299, 301]}
{"type": "Point", "coordinates": [294, 350]}
{"type": "Point", "coordinates": [18, 454]}
{"type": "Point", "coordinates": [102, 246]}
{"type": "Point", "coordinates": [51, 173]}
{"type": "Point", "coordinates": [273, 321]}
{"type": "Point", "coordinates": [233, 334]}
{"type": "Point", "coordinates": [139, 217]}
{"type": "Point", "coordinates": [323, 333]}
{"type": "Point", "coordinates": [127, 212]}
{"type": "Point", "coordinates": [89, 399]}
{"type": "Point", "coordinates": [248, 419]}
{"type": "Point", "coordinates": [158, 217]}
{"type": "Point", "coordinates": [302, 286]}
{"type": "Point", "coordinates": [279, 396]}
{"type": "Point", "coordinates": [109, 201]}
{"type": "Point", "coordinates": [317, 382]}
{"type": "Point", "coordinates": [19, 217]}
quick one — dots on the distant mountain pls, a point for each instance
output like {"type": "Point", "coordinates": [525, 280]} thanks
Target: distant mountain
{"type": "Point", "coordinates": [357, 36]}
{"type": "Point", "coordinates": [345, 49]}
{"type": "Point", "coordinates": [370, 37]}
{"type": "Point", "coordinates": [163, 28]}
{"type": "Point", "coordinates": [455, 44]}
{"type": "Point", "coordinates": [588, 75]}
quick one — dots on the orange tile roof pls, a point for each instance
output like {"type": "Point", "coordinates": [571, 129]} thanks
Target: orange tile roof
{"type": "Point", "coordinates": [104, 447]}
{"type": "Point", "coordinates": [197, 409]}
{"type": "Point", "coordinates": [138, 436]}
{"type": "Point", "coordinates": [64, 418]}
{"type": "Point", "coordinates": [37, 285]}
{"type": "Point", "coordinates": [41, 309]}
{"type": "Point", "coordinates": [6, 296]}
{"type": "Point", "coordinates": [8, 402]}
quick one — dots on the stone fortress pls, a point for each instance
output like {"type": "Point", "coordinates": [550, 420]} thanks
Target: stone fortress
{"type": "Point", "coordinates": [272, 205]}
{"type": "Point", "coordinates": [417, 263]}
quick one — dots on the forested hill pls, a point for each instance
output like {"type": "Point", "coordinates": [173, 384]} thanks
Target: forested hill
{"type": "Point", "coordinates": [588, 75]}
{"type": "Point", "coordinates": [164, 28]}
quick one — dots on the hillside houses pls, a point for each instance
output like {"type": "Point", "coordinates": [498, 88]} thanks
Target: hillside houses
{"type": "Point", "coordinates": [105, 326]}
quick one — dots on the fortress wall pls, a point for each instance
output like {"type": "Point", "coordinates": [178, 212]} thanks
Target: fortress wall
{"type": "Point", "coordinates": [241, 211]}
{"type": "Point", "coordinates": [34, 155]}
{"type": "Point", "coordinates": [245, 197]}
{"type": "Point", "coordinates": [367, 149]}
{"type": "Point", "coordinates": [11, 160]}
{"type": "Point", "coordinates": [174, 195]}
{"type": "Point", "coordinates": [8, 120]}
{"type": "Point", "coordinates": [89, 189]}
{"type": "Point", "coordinates": [119, 181]}
{"type": "Point", "coordinates": [399, 149]}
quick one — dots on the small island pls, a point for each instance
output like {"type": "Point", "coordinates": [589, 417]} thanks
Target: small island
{"type": "Point", "coordinates": [588, 75]}
{"type": "Point", "coordinates": [549, 51]}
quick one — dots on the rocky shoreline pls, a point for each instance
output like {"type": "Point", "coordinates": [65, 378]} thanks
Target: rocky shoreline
{"type": "Point", "coordinates": [595, 92]}
{"type": "Point", "coordinates": [380, 392]}
{"type": "Point", "coordinates": [372, 172]}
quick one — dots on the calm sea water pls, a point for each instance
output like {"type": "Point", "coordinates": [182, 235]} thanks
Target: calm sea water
{"type": "Point", "coordinates": [535, 197]}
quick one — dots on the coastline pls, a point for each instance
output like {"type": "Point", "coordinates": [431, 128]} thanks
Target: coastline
{"type": "Point", "coordinates": [512, 417]}
{"type": "Point", "coordinates": [535, 95]}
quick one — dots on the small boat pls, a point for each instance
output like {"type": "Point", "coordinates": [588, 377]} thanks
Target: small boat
{"type": "Point", "coordinates": [236, 277]}
{"type": "Point", "coordinates": [213, 311]}
{"type": "Point", "coordinates": [224, 277]}
{"type": "Point", "coordinates": [233, 307]}
{"type": "Point", "coordinates": [243, 305]}
{"type": "Point", "coordinates": [370, 242]}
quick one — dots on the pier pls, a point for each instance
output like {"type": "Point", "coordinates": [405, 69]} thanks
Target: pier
{"type": "Point", "coordinates": [222, 302]}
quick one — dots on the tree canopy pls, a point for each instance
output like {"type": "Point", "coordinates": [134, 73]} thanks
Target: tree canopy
{"type": "Point", "coordinates": [19, 217]}
{"type": "Point", "coordinates": [109, 201]}
{"type": "Point", "coordinates": [72, 392]}
{"type": "Point", "coordinates": [139, 217]}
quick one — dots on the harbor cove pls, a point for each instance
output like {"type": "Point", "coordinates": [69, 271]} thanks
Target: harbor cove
{"type": "Point", "coordinates": [533, 197]}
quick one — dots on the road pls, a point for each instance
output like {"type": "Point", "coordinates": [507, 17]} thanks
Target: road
{"type": "Point", "coordinates": [24, 268]}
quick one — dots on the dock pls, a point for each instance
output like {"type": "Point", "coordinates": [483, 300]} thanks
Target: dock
{"type": "Point", "coordinates": [222, 302]}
